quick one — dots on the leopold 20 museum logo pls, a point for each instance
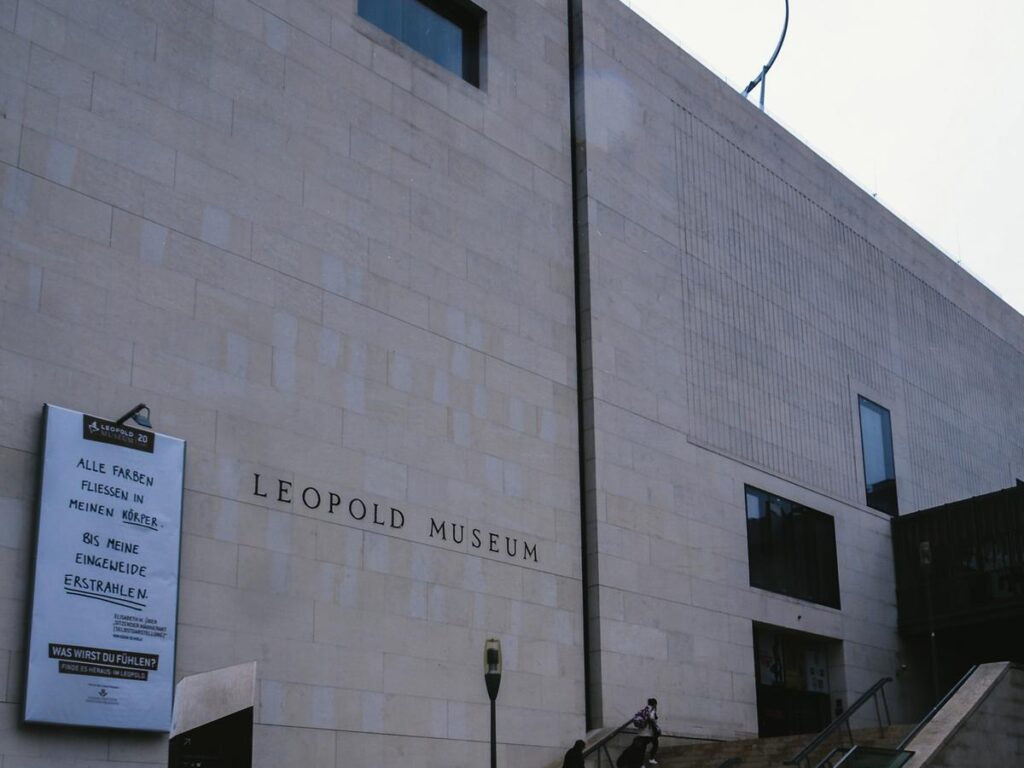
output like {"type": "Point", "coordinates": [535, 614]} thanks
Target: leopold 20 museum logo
{"type": "Point", "coordinates": [103, 431]}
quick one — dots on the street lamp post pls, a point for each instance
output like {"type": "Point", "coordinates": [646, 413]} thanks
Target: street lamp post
{"type": "Point", "coordinates": [492, 676]}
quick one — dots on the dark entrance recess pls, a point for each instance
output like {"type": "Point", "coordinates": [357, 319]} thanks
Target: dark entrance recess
{"type": "Point", "coordinates": [792, 682]}
{"type": "Point", "coordinates": [223, 743]}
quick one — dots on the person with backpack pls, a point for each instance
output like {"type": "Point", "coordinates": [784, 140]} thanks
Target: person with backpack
{"type": "Point", "coordinates": [646, 723]}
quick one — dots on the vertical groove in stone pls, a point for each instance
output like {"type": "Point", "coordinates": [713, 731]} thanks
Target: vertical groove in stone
{"type": "Point", "coordinates": [584, 365]}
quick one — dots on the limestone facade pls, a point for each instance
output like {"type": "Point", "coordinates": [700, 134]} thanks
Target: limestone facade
{"type": "Point", "coordinates": [346, 278]}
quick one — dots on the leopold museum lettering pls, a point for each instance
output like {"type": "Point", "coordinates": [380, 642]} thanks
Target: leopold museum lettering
{"type": "Point", "coordinates": [387, 518]}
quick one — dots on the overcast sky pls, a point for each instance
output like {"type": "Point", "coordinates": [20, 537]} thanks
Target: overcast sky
{"type": "Point", "coordinates": [917, 101]}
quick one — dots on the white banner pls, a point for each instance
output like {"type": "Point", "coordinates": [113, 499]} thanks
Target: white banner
{"type": "Point", "coordinates": [105, 596]}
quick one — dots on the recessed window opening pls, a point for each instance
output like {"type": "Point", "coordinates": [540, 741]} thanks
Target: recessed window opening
{"type": "Point", "coordinates": [791, 548]}
{"type": "Point", "coordinates": [447, 31]}
{"type": "Point", "coordinates": [879, 466]}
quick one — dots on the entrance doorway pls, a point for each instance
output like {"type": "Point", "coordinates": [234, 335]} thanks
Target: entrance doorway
{"type": "Point", "coordinates": [792, 681]}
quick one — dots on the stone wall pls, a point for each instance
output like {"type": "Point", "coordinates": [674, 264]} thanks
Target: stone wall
{"type": "Point", "coordinates": [742, 295]}
{"type": "Point", "coordinates": [982, 724]}
{"type": "Point", "coordinates": [322, 259]}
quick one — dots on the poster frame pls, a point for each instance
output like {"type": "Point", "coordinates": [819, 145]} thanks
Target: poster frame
{"type": "Point", "coordinates": [32, 586]}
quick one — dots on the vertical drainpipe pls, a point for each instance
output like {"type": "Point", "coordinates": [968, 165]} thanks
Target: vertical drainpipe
{"type": "Point", "coordinates": [584, 388]}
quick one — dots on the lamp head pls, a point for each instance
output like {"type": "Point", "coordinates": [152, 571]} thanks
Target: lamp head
{"type": "Point", "coordinates": [139, 414]}
{"type": "Point", "coordinates": [924, 552]}
{"type": "Point", "coordinates": [492, 657]}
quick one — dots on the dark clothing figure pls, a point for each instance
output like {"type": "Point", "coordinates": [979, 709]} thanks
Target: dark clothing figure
{"type": "Point", "coordinates": [574, 757]}
{"type": "Point", "coordinates": [633, 755]}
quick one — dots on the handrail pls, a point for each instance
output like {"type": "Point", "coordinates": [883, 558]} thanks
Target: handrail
{"type": "Point", "coordinates": [935, 710]}
{"type": "Point", "coordinates": [602, 743]}
{"type": "Point", "coordinates": [826, 761]}
{"type": "Point", "coordinates": [802, 757]}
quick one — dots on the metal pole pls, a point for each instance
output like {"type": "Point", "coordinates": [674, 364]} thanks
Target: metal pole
{"type": "Point", "coordinates": [924, 555]}
{"type": "Point", "coordinates": [494, 743]}
{"type": "Point", "coordinates": [764, 70]}
{"type": "Point", "coordinates": [931, 633]}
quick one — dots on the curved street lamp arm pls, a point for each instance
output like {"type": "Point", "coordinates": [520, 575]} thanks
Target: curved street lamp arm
{"type": "Point", "coordinates": [764, 70]}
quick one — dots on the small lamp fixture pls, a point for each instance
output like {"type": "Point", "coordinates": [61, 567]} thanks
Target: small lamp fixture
{"type": "Point", "coordinates": [136, 414]}
{"type": "Point", "coordinates": [492, 666]}
{"type": "Point", "coordinates": [492, 676]}
{"type": "Point", "coordinates": [924, 553]}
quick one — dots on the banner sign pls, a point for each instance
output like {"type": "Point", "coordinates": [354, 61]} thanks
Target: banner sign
{"type": "Point", "coordinates": [105, 595]}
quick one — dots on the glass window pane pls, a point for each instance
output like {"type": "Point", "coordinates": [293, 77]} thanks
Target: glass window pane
{"type": "Point", "coordinates": [432, 35]}
{"type": "Point", "coordinates": [443, 32]}
{"type": "Point", "coordinates": [386, 14]}
{"type": "Point", "coordinates": [791, 548]}
{"type": "Point", "coordinates": [879, 466]}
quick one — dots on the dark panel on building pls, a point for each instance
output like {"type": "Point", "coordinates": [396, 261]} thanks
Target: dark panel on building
{"type": "Point", "coordinates": [223, 743]}
{"type": "Point", "coordinates": [962, 562]}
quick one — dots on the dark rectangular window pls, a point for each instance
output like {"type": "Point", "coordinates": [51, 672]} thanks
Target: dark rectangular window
{"type": "Point", "coordinates": [447, 31]}
{"type": "Point", "coordinates": [879, 467]}
{"type": "Point", "coordinates": [792, 549]}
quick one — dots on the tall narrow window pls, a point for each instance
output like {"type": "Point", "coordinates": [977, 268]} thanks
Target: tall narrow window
{"type": "Point", "coordinates": [447, 31]}
{"type": "Point", "coordinates": [879, 467]}
{"type": "Point", "coordinates": [791, 548]}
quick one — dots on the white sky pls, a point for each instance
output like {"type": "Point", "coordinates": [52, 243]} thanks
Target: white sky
{"type": "Point", "coordinates": [917, 101]}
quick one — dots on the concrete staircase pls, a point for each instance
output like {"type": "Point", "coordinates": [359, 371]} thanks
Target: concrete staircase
{"type": "Point", "coordinates": [768, 752]}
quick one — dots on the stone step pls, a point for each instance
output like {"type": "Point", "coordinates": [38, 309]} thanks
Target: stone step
{"type": "Point", "coordinates": [769, 752]}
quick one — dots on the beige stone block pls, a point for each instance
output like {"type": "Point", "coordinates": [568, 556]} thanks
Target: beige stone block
{"type": "Point", "coordinates": [276, 746]}
{"type": "Point", "coordinates": [60, 77]}
{"type": "Point", "coordinates": [164, 288]}
{"type": "Point", "coordinates": [106, 139]}
{"type": "Point", "coordinates": [317, 706]}
{"type": "Point", "coordinates": [220, 607]}
{"type": "Point", "coordinates": [201, 649]}
{"type": "Point", "coordinates": [339, 544]}
{"type": "Point", "coordinates": [146, 749]}
{"type": "Point", "coordinates": [5, 671]}
{"type": "Point", "coordinates": [17, 473]}
{"type": "Point", "coordinates": [204, 559]}
{"type": "Point", "coordinates": [16, 743]}
{"type": "Point", "coordinates": [21, 761]}
{"type": "Point", "coordinates": [65, 209]}
{"type": "Point", "coordinates": [15, 566]}
{"type": "Point", "coordinates": [408, 675]}
{"type": "Point", "coordinates": [253, 526]}
{"type": "Point", "coordinates": [15, 677]}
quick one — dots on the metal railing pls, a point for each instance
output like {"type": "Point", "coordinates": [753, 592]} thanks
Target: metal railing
{"type": "Point", "coordinates": [600, 747]}
{"type": "Point", "coordinates": [826, 762]}
{"type": "Point", "coordinates": [803, 757]}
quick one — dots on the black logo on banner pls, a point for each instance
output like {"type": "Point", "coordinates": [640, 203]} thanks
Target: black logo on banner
{"type": "Point", "coordinates": [103, 431]}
